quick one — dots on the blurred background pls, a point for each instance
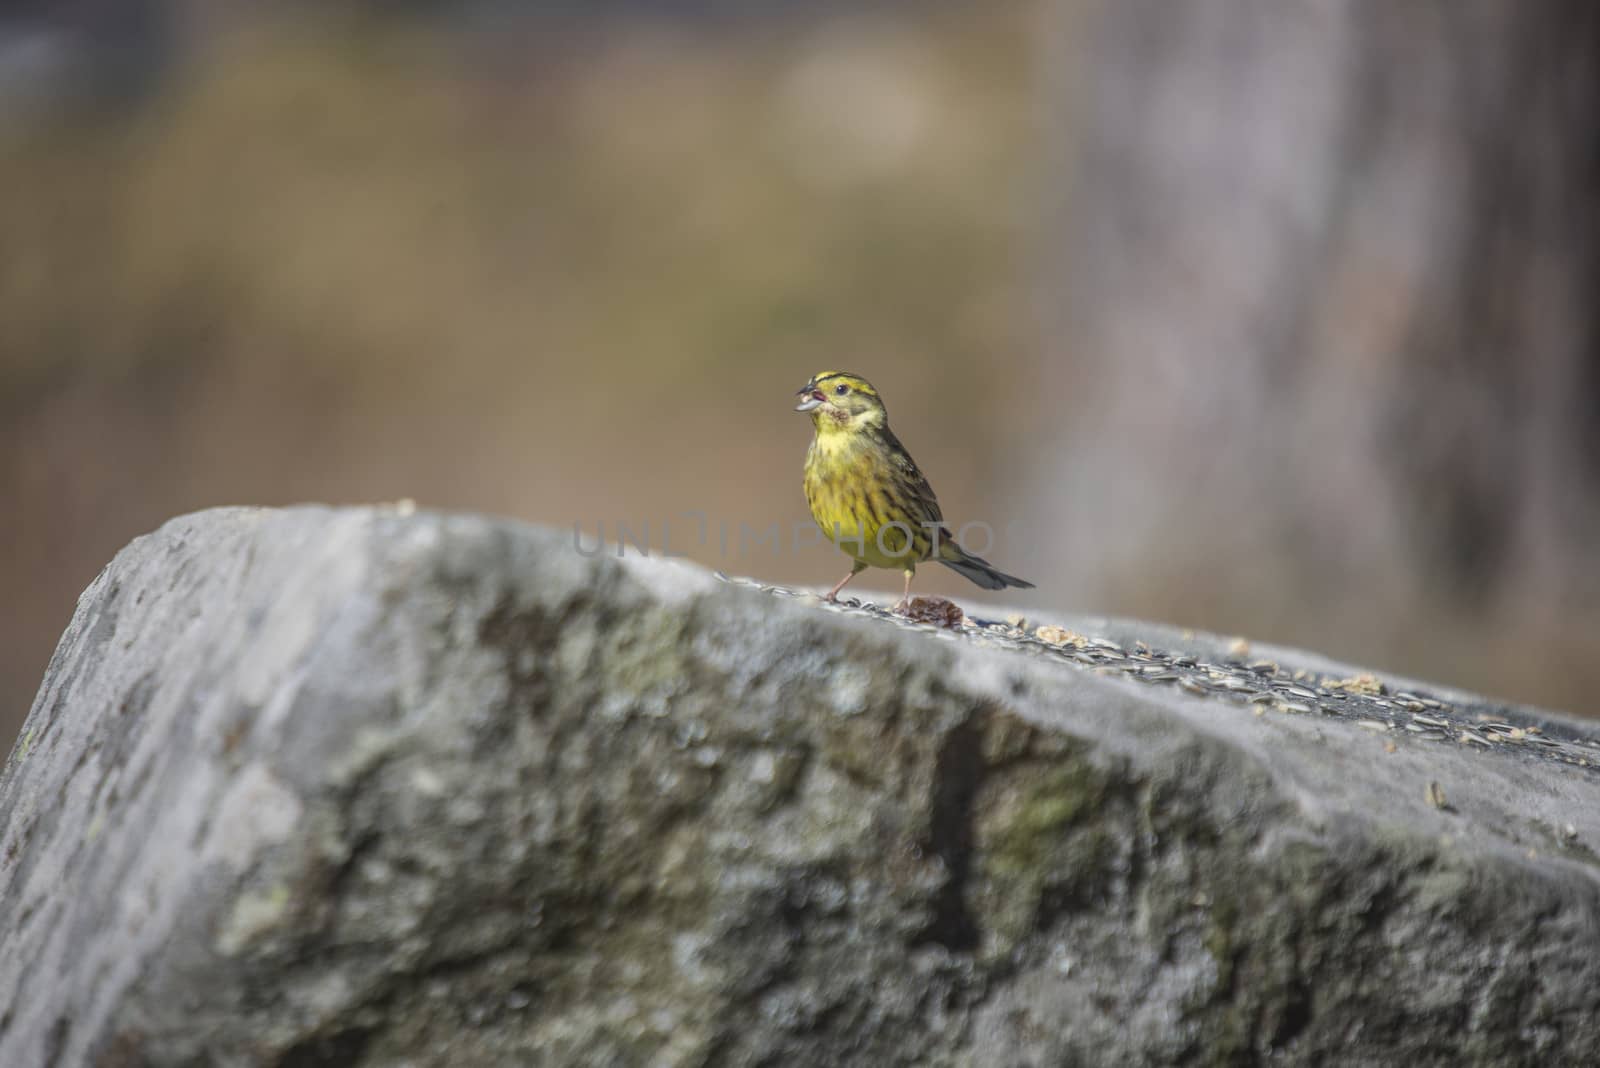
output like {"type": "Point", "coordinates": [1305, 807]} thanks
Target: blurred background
{"type": "Point", "coordinates": [1263, 317]}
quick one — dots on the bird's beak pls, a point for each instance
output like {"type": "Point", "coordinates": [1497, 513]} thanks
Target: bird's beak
{"type": "Point", "coordinates": [810, 398]}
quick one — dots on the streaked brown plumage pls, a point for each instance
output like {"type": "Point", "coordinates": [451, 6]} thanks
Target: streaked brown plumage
{"type": "Point", "coordinates": [867, 494]}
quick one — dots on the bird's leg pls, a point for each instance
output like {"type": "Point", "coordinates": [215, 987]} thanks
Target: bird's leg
{"type": "Point", "coordinates": [833, 594]}
{"type": "Point", "coordinates": [905, 598]}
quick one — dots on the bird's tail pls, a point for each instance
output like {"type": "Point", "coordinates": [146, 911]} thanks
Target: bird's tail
{"type": "Point", "coordinates": [978, 570]}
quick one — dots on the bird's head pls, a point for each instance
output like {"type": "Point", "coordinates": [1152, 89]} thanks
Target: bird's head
{"type": "Point", "coordinates": [839, 400]}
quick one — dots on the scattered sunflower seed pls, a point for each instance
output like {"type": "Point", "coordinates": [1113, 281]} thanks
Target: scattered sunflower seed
{"type": "Point", "coordinates": [1260, 683]}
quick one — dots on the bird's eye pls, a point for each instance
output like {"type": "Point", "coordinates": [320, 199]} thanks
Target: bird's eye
{"type": "Point", "coordinates": [841, 390]}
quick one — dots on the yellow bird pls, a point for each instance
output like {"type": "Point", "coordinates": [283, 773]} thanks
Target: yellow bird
{"type": "Point", "coordinates": [866, 493]}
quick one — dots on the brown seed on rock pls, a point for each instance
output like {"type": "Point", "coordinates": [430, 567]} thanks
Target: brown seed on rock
{"type": "Point", "coordinates": [936, 610]}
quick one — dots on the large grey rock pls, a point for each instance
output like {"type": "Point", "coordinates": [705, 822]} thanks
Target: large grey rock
{"type": "Point", "coordinates": [356, 788]}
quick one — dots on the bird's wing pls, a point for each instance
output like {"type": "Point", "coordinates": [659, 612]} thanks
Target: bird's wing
{"type": "Point", "coordinates": [912, 485]}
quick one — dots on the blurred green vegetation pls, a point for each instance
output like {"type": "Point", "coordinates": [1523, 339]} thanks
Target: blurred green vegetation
{"type": "Point", "coordinates": [570, 278]}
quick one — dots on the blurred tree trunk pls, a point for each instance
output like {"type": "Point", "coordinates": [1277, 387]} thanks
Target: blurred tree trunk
{"type": "Point", "coordinates": [1319, 309]}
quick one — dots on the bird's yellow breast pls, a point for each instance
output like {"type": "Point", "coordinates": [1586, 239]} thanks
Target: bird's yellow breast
{"type": "Point", "coordinates": [849, 487]}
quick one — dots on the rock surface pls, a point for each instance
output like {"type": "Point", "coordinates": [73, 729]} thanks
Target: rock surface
{"type": "Point", "coordinates": [350, 787]}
